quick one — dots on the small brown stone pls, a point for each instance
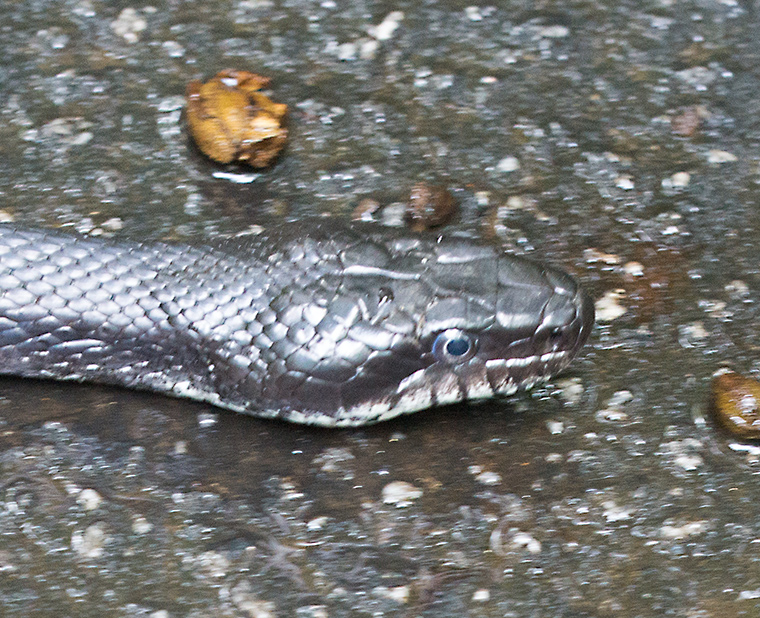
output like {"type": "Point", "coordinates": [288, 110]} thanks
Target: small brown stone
{"type": "Point", "coordinates": [687, 122]}
{"type": "Point", "coordinates": [429, 206]}
{"type": "Point", "coordinates": [365, 209]}
{"type": "Point", "coordinates": [231, 121]}
{"type": "Point", "coordinates": [736, 404]}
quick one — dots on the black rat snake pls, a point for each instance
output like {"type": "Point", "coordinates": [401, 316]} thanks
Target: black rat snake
{"type": "Point", "coordinates": [314, 322]}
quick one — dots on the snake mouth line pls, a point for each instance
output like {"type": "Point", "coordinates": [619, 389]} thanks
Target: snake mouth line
{"type": "Point", "coordinates": [502, 377]}
{"type": "Point", "coordinates": [508, 375]}
{"type": "Point", "coordinates": [541, 359]}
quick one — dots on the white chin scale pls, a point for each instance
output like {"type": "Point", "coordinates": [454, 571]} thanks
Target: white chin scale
{"type": "Point", "coordinates": [507, 375]}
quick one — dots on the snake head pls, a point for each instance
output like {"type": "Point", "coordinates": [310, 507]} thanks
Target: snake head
{"type": "Point", "coordinates": [387, 326]}
{"type": "Point", "coordinates": [476, 324]}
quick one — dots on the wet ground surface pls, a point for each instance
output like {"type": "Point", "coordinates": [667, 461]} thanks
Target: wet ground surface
{"type": "Point", "coordinates": [618, 139]}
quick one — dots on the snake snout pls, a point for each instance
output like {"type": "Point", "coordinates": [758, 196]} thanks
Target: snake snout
{"type": "Point", "coordinates": [568, 318]}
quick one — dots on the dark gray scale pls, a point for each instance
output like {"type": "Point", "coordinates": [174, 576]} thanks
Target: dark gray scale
{"type": "Point", "coordinates": [315, 322]}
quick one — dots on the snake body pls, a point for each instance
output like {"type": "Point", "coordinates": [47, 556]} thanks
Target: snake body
{"type": "Point", "coordinates": [316, 322]}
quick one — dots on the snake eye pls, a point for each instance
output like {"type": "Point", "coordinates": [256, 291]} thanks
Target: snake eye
{"type": "Point", "coordinates": [454, 346]}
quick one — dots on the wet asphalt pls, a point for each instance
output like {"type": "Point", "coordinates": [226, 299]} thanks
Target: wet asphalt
{"type": "Point", "coordinates": [619, 140]}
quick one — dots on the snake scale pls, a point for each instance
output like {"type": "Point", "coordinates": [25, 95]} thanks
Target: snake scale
{"type": "Point", "coordinates": [315, 322]}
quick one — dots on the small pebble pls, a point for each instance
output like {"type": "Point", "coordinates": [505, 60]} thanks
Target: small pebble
{"type": "Point", "coordinates": [523, 539]}
{"type": "Point", "coordinates": [613, 512]}
{"type": "Point", "coordinates": [608, 307]}
{"type": "Point", "coordinates": [737, 289]}
{"type": "Point", "coordinates": [688, 121]}
{"type": "Point", "coordinates": [399, 594]}
{"type": "Point", "coordinates": [385, 29]}
{"type": "Point", "coordinates": [489, 478]}
{"type": "Point", "coordinates": [688, 462]}
{"type": "Point", "coordinates": [473, 13]}
{"type": "Point", "coordinates": [141, 526]}
{"type": "Point", "coordinates": [625, 183]}
{"type": "Point", "coordinates": [592, 256]}
{"type": "Point", "coordinates": [483, 198]}
{"type": "Point", "coordinates": [735, 403]}
{"type": "Point", "coordinates": [753, 451]}
{"type": "Point", "coordinates": [611, 415]}
{"type": "Point", "coordinates": [633, 269]}
{"type": "Point", "coordinates": [89, 499]}
{"type": "Point", "coordinates": [555, 427]}
{"type": "Point", "coordinates": [316, 524]}
{"type": "Point", "coordinates": [90, 542]}
{"type": "Point", "coordinates": [114, 224]}
{"type": "Point", "coordinates": [365, 209]}
{"type": "Point", "coordinates": [173, 49]}
{"type": "Point", "coordinates": [129, 24]}
{"type": "Point", "coordinates": [429, 206]}
{"type": "Point", "coordinates": [400, 493]}
{"type": "Point", "coordinates": [684, 530]}
{"type": "Point", "coordinates": [213, 563]}
{"type": "Point", "coordinates": [508, 164]}
{"type": "Point", "coordinates": [571, 390]}
{"type": "Point", "coordinates": [248, 603]}
{"type": "Point", "coordinates": [238, 179]}
{"type": "Point", "coordinates": [691, 334]}
{"type": "Point", "coordinates": [554, 32]}
{"type": "Point", "coordinates": [368, 48]}
{"type": "Point", "coordinates": [619, 398]}
{"type": "Point", "coordinates": [721, 156]}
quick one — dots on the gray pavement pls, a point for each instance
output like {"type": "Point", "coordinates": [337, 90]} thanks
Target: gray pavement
{"type": "Point", "coordinates": [619, 139]}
